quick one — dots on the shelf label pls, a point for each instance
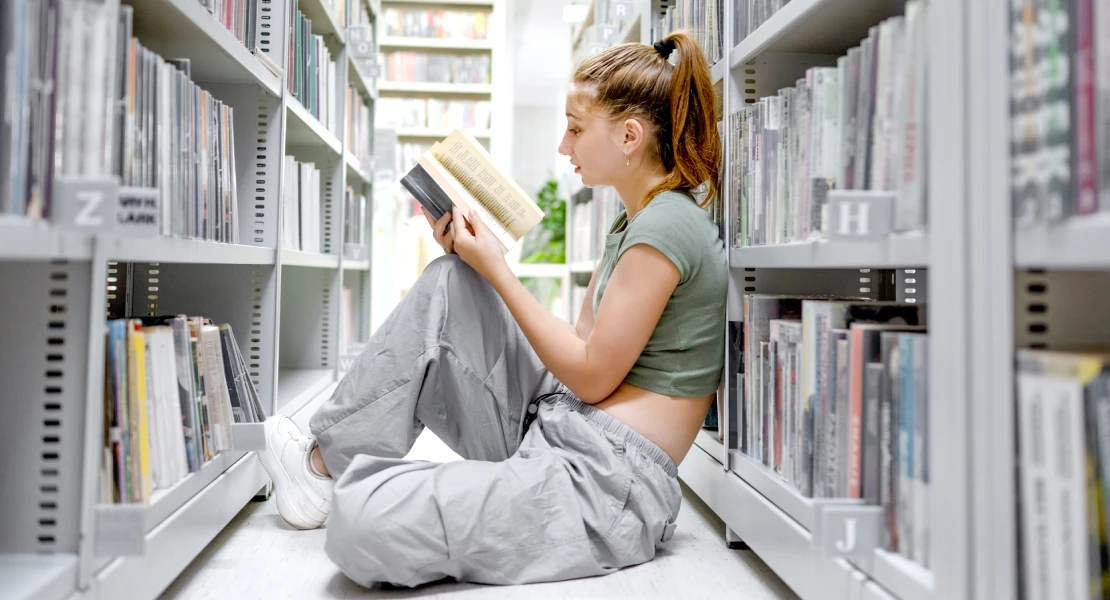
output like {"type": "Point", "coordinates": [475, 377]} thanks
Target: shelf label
{"type": "Point", "coordinates": [846, 529]}
{"type": "Point", "coordinates": [360, 41]}
{"type": "Point", "coordinates": [622, 10]}
{"type": "Point", "coordinates": [101, 204]}
{"type": "Point", "coordinates": [858, 214]}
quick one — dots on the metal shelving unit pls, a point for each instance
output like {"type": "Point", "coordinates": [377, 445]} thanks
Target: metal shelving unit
{"type": "Point", "coordinates": [756, 504]}
{"type": "Point", "coordinates": [283, 306]}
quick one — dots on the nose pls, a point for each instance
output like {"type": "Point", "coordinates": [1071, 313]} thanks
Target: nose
{"type": "Point", "coordinates": [564, 146]}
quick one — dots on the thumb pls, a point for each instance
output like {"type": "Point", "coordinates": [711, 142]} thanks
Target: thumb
{"type": "Point", "coordinates": [463, 232]}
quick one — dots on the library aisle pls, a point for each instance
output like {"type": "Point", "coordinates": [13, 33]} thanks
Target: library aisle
{"type": "Point", "coordinates": [259, 556]}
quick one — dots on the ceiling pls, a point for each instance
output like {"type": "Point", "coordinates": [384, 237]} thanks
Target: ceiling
{"type": "Point", "coordinates": [539, 47]}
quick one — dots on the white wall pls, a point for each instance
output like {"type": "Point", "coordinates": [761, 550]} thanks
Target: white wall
{"type": "Point", "coordinates": [535, 146]}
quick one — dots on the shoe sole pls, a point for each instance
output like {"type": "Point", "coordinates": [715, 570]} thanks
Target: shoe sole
{"type": "Point", "coordinates": [282, 486]}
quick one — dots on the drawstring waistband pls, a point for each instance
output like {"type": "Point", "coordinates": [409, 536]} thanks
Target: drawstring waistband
{"type": "Point", "coordinates": [606, 422]}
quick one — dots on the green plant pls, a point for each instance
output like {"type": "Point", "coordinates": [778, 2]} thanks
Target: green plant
{"type": "Point", "coordinates": [547, 243]}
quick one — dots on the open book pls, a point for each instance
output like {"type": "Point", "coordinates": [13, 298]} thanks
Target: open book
{"type": "Point", "coordinates": [459, 171]}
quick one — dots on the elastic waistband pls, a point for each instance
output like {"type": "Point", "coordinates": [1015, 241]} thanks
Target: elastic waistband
{"type": "Point", "coordinates": [611, 424]}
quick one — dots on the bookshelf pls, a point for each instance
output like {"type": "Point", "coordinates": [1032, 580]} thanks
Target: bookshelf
{"type": "Point", "coordinates": [286, 308]}
{"type": "Point", "coordinates": [930, 265]}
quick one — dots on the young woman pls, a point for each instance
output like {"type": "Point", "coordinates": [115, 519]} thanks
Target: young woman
{"type": "Point", "coordinates": [572, 433]}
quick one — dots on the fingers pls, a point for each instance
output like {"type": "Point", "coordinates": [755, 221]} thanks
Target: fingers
{"type": "Point", "coordinates": [463, 233]}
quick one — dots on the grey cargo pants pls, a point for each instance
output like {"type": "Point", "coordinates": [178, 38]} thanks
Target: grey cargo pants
{"type": "Point", "coordinates": [580, 494]}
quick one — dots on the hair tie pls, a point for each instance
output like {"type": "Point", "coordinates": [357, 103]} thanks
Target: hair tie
{"type": "Point", "coordinates": [664, 48]}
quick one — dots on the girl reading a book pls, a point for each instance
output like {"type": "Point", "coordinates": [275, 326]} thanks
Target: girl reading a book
{"type": "Point", "coordinates": [571, 433]}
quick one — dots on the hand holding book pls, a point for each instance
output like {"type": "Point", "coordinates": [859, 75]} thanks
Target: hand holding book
{"type": "Point", "coordinates": [441, 230]}
{"type": "Point", "coordinates": [477, 244]}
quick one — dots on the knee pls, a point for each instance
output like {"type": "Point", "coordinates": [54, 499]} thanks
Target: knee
{"type": "Point", "coordinates": [450, 271]}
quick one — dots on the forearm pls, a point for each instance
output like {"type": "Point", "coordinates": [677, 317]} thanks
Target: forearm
{"type": "Point", "coordinates": [555, 341]}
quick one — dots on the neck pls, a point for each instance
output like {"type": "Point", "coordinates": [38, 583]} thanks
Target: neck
{"type": "Point", "coordinates": [634, 189]}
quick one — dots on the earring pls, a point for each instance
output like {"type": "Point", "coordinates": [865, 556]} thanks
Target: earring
{"type": "Point", "coordinates": [627, 161]}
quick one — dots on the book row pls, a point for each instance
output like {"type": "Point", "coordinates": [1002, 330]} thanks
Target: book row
{"type": "Point", "coordinates": [856, 126]}
{"type": "Point", "coordinates": [359, 127]}
{"type": "Point", "coordinates": [94, 102]}
{"type": "Point", "coordinates": [834, 399]}
{"type": "Point", "coordinates": [433, 112]}
{"type": "Point", "coordinates": [312, 78]}
{"type": "Point", "coordinates": [359, 14]}
{"type": "Point", "coordinates": [703, 18]}
{"type": "Point", "coordinates": [748, 15]}
{"type": "Point", "coordinates": [1059, 109]}
{"type": "Point", "coordinates": [173, 386]}
{"type": "Point", "coordinates": [437, 68]}
{"type": "Point", "coordinates": [301, 207]}
{"type": "Point", "coordinates": [435, 24]}
{"type": "Point", "coordinates": [240, 17]}
{"type": "Point", "coordinates": [355, 218]}
{"type": "Point", "coordinates": [1063, 447]}
{"type": "Point", "coordinates": [591, 220]}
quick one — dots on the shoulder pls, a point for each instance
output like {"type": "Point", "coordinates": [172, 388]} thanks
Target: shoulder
{"type": "Point", "coordinates": [673, 223]}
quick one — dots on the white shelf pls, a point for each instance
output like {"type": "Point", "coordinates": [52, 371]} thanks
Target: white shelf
{"type": "Point", "coordinates": [362, 84]}
{"type": "Point", "coordinates": [164, 503]}
{"type": "Point", "coordinates": [319, 260]}
{"type": "Point", "coordinates": [355, 168]}
{"type": "Point", "coordinates": [184, 28]}
{"type": "Point", "coordinates": [906, 579]}
{"type": "Point", "coordinates": [907, 250]}
{"type": "Point", "coordinates": [774, 488]}
{"type": "Point", "coordinates": [182, 536]}
{"type": "Point", "coordinates": [584, 266]}
{"type": "Point", "coordinates": [435, 43]}
{"type": "Point", "coordinates": [356, 265]}
{"type": "Point", "coordinates": [299, 386]}
{"type": "Point", "coordinates": [38, 576]}
{"type": "Point", "coordinates": [420, 87]}
{"type": "Point", "coordinates": [784, 545]}
{"type": "Point", "coordinates": [719, 70]}
{"type": "Point", "coordinates": [24, 239]}
{"type": "Point", "coordinates": [303, 129]}
{"type": "Point", "coordinates": [539, 270]}
{"type": "Point", "coordinates": [1081, 242]}
{"type": "Point", "coordinates": [814, 27]}
{"type": "Point", "coordinates": [181, 250]}
{"type": "Point", "coordinates": [438, 133]}
{"type": "Point", "coordinates": [324, 20]}
{"type": "Point", "coordinates": [708, 441]}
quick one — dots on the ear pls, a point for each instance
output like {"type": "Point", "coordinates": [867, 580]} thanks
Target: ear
{"type": "Point", "coordinates": [634, 136]}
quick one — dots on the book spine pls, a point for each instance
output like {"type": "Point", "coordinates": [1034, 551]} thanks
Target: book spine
{"type": "Point", "coordinates": [906, 447]}
{"type": "Point", "coordinates": [1102, 103]}
{"type": "Point", "coordinates": [920, 452]}
{"type": "Point", "coordinates": [872, 397]}
{"type": "Point", "coordinates": [1086, 170]}
{"type": "Point", "coordinates": [856, 415]}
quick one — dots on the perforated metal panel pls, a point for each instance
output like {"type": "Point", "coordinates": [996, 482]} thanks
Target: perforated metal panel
{"type": "Point", "coordinates": [307, 318]}
{"type": "Point", "coordinates": [1061, 309]}
{"type": "Point", "coordinates": [45, 327]}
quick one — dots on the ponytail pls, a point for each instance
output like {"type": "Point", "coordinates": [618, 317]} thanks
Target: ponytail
{"type": "Point", "coordinates": [636, 80]}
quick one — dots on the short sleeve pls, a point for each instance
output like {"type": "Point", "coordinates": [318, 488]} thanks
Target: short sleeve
{"type": "Point", "coordinates": [665, 229]}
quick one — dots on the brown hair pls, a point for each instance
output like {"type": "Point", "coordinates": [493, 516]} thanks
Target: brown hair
{"type": "Point", "coordinates": [634, 80]}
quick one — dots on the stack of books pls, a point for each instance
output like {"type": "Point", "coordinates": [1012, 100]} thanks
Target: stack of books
{"type": "Point", "coordinates": [856, 126]}
{"type": "Point", "coordinates": [172, 388]}
{"type": "Point", "coordinates": [312, 74]}
{"type": "Point", "coordinates": [300, 214]}
{"type": "Point", "coordinates": [834, 400]}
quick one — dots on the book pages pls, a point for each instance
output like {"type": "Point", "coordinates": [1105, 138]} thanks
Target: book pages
{"type": "Point", "coordinates": [469, 162]}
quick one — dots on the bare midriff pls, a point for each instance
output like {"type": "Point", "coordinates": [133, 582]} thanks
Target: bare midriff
{"type": "Point", "coordinates": [670, 422]}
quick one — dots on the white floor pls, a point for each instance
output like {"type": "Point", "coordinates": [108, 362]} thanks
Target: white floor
{"type": "Point", "coordinates": [259, 556]}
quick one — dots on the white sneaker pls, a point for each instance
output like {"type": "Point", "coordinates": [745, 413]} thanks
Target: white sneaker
{"type": "Point", "coordinates": [303, 497]}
